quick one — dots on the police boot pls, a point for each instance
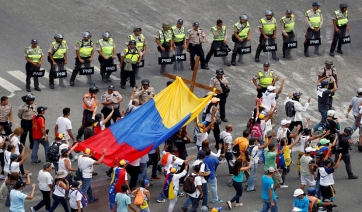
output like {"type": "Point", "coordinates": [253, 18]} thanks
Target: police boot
{"type": "Point", "coordinates": [257, 54]}
{"type": "Point", "coordinates": [316, 51]}
{"type": "Point", "coordinates": [72, 78]}
{"type": "Point", "coordinates": [233, 59]}
{"type": "Point", "coordinates": [108, 77]}
{"type": "Point", "coordinates": [274, 56]}
{"type": "Point", "coordinates": [306, 50]}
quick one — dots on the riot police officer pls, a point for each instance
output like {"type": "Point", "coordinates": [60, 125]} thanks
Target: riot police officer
{"type": "Point", "coordinates": [84, 49]}
{"type": "Point", "coordinates": [314, 21]}
{"type": "Point", "coordinates": [340, 23]}
{"type": "Point", "coordinates": [107, 52]}
{"type": "Point", "coordinates": [34, 59]}
{"type": "Point", "coordinates": [130, 58]}
{"type": "Point", "coordinates": [141, 43]}
{"type": "Point", "coordinates": [179, 42]}
{"type": "Point", "coordinates": [57, 56]}
{"type": "Point", "coordinates": [241, 36]}
{"type": "Point", "coordinates": [219, 40]}
{"type": "Point", "coordinates": [268, 32]}
{"type": "Point", "coordinates": [287, 23]}
{"type": "Point", "coordinates": [164, 41]}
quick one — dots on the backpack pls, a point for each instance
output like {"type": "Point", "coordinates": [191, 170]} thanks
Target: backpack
{"type": "Point", "coordinates": [84, 199]}
{"type": "Point", "coordinates": [280, 161]}
{"type": "Point", "coordinates": [248, 152]}
{"type": "Point", "coordinates": [256, 132]}
{"type": "Point", "coordinates": [289, 109]}
{"type": "Point", "coordinates": [53, 152]}
{"type": "Point", "coordinates": [189, 185]}
{"type": "Point", "coordinates": [236, 150]}
{"type": "Point", "coordinates": [250, 124]}
{"type": "Point", "coordinates": [139, 198]}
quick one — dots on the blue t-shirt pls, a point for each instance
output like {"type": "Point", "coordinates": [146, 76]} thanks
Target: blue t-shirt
{"type": "Point", "coordinates": [17, 201]}
{"type": "Point", "coordinates": [302, 204]}
{"type": "Point", "coordinates": [212, 163]}
{"type": "Point", "coordinates": [122, 202]}
{"type": "Point", "coordinates": [267, 183]}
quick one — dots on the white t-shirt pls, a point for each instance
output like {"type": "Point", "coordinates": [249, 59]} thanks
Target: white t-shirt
{"type": "Point", "coordinates": [45, 179]}
{"type": "Point", "coordinates": [7, 155]}
{"type": "Point", "coordinates": [268, 100]}
{"type": "Point", "coordinates": [302, 141]}
{"type": "Point", "coordinates": [254, 154]}
{"type": "Point", "coordinates": [64, 124]}
{"type": "Point", "coordinates": [200, 137]}
{"type": "Point", "coordinates": [59, 191]}
{"type": "Point", "coordinates": [168, 165]}
{"type": "Point", "coordinates": [202, 168]}
{"type": "Point", "coordinates": [14, 167]}
{"type": "Point", "coordinates": [197, 182]}
{"type": "Point", "coordinates": [74, 196]}
{"type": "Point", "coordinates": [15, 141]}
{"type": "Point", "coordinates": [360, 111]}
{"type": "Point", "coordinates": [144, 158]}
{"type": "Point", "coordinates": [131, 108]}
{"type": "Point", "coordinates": [176, 179]}
{"type": "Point", "coordinates": [61, 165]}
{"type": "Point", "coordinates": [86, 165]}
{"type": "Point", "coordinates": [135, 162]}
{"type": "Point", "coordinates": [228, 139]}
{"type": "Point", "coordinates": [2, 140]}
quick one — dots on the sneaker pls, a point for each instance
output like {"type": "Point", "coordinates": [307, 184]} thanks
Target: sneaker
{"type": "Point", "coordinates": [184, 209]}
{"type": "Point", "coordinates": [229, 204]}
{"type": "Point", "coordinates": [156, 178]}
{"type": "Point", "coordinates": [38, 161]}
{"type": "Point", "coordinates": [108, 173]}
{"type": "Point", "coordinates": [251, 190]}
{"type": "Point", "coordinates": [283, 186]}
{"type": "Point", "coordinates": [94, 200]}
{"type": "Point", "coordinates": [32, 209]}
{"type": "Point", "coordinates": [161, 201]}
{"type": "Point", "coordinates": [2, 177]}
{"type": "Point", "coordinates": [239, 204]}
{"type": "Point", "coordinates": [352, 177]}
{"type": "Point", "coordinates": [217, 201]}
{"type": "Point", "coordinates": [181, 194]}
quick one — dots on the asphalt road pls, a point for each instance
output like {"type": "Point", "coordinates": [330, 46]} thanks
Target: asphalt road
{"type": "Point", "coordinates": [23, 20]}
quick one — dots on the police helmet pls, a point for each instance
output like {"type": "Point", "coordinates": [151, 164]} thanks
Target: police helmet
{"type": "Point", "coordinates": [219, 71]}
{"type": "Point", "coordinates": [343, 5]}
{"type": "Point", "coordinates": [132, 42]}
{"type": "Point", "coordinates": [348, 130]}
{"type": "Point", "coordinates": [288, 12]}
{"type": "Point", "coordinates": [58, 36]}
{"type": "Point", "coordinates": [86, 34]}
{"type": "Point", "coordinates": [269, 12]}
{"type": "Point", "coordinates": [137, 28]}
{"type": "Point", "coordinates": [93, 89]}
{"type": "Point", "coordinates": [29, 97]}
{"type": "Point", "coordinates": [312, 191]}
{"type": "Point", "coordinates": [145, 82]}
{"type": "Point", "coordinates": [244, 17]}
{"type": "Point", "coordinates": [106, 34]}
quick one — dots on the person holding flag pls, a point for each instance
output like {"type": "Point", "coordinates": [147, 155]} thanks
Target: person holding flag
{"type": "Point", "coordinates": [119, 178]}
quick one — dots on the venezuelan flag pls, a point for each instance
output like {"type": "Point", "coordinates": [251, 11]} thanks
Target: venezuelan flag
{"type": "Point", "coordinates": [149, 126]}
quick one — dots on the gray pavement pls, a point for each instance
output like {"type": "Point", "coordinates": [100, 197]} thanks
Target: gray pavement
{"type": "Point", "coordinates": [24, 20]}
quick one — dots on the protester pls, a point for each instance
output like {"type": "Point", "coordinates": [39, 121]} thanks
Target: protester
{"type": "Point", "coordinates": [75, 197]}
{"type": "Point", "coordinates": [146, 196]}
{"type": "Point", "coordinates": [123, 201]}
{"type": "Point", "coordinates": [45, 180]}
{"type": "Point", "coordinates": [17, 197]}
{"type": "Point", "coordinates": [61, 186]}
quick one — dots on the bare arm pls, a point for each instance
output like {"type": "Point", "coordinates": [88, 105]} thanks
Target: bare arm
{"type": "Point", "coordinates": [296, 141]}
{"type": "Point", "coordinates": [68, 167]}
{"type": "Point", "coordinates": [338, 161]}
{"type": "Point", "coordinates": [100, 159]}
{"type": "Point", "coordinates": [31, 195]}
{"type": "Point", "coordinates": [71, 135]}
{"type": "Point", "coordinates": [281, 86]}
{"type": "Point", "coordinates": [108, 117]}
{"type": "Point", "coordinates": [25, 158]}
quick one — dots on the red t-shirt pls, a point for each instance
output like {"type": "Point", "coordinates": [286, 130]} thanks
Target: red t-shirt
{"type": "Point", "coordinates": [38, 124]}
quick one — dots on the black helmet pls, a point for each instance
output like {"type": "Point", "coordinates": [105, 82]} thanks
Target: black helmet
{"type": "Point", "coordinates": [145, 82]}
{"type": "Point", "coordinates": [58, 36]}
{"type": "Point", "coordinates": [348, 130]}
{"type": "Point", "coordinates": [132, 42]}
{"type": "Point", "coordinates": [29, 97]}
{"type": "Point", "coordinates": [93, 89]}
{"type": "Point", "coordinates": [219, 71]}
{"type": "Point", "coordinates": [320, 154]}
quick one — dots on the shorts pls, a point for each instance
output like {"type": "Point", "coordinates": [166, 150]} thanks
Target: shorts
{"type": "Point", "coordinates": [277, 177]}
{"type": "Point", "coordinates": [307, 179]}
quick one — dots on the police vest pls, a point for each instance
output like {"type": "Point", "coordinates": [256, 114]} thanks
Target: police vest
{"type": "Point", "coordinates": [341, 18]}
{"type": "Point", "coordinates": [61, 49]}
{"type": "Point", "coordinates": [288, 23]}
{"type": "Point", "coordinates": [164, 36]}
{"type": "Point", "coordinates": [243, 29]}
{"type": "Point", "coordinates": [85, 48]}
{"type": "Point", "coordinates": [221, 36]}
{"type": "Point", "coordinates": [268, 26]}
{"type": "Point", "coordinates": [34, 54]}
{"type": "Point", "coordinates": [132, 54]}
{"type": "Point", "coordinates": [107, 47]}
{"type": "Point", "coordinates": [178, 33]}
{"type": "Point", "coordinates": [265, 78]}
{"type": "Point", "coordinates": [315, 18]}
{"type": "Point", "coordinates": [92, 107]}
{"type": "Point", "coordinates": [139, 42]}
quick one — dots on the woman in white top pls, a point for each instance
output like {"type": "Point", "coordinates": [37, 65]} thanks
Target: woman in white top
{"type": "Point", "coordinates": [146, 196]}
{"type": "Point", "coordinates": [14, 139]}
{"type": "Point", "coordinates": [45, 180]}
{"type": "Point", "coordinates": [75, 197]}
{"type": "Point", "coordinates": [10, 150]}
{"type": "Point", "coordinates": [61, 186]}
{"type": "Point", "coordinates": [16, 161]}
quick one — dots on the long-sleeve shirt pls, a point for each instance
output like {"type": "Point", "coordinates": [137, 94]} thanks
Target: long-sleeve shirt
{"type": "Point", "coordinates": [298, 109]}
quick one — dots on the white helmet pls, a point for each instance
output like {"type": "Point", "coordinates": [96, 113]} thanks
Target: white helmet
{"type": "Point", "coordinates": [86, 34]}
{"type": "Point", "coordinates": [331, 113]}
{"type": "Point", "coordinates": [298, 192]}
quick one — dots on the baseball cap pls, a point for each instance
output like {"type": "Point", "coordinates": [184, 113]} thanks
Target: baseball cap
{"type": "Point", "coordinates": [297, 93]}
{"type": "Point", "coordinates": [180, 21]}
{"type": "Point", "coordinates": [137, 28]}
{"type": "Point", "coordinates": [122, 162]}
{"type": "Point", "coordinates": [359, 90]}
{"type": "Point", "coordinates": [87, 151]}
{"type": "Point", "coordinates": [146, 182]}
{"type": "Point", "coordinates": [41, 109]}
{"type": "Point", "coordinates": [324, 141]}
{"type": "Point", "coordinates": [63, 151]}
{"type": "Point", "coordinates": [324, 83]}
{"type": "Point", "coordinates": [266, 64]}
{"type": "Point", "coordinates": [271, 88]}
{"type": "Point", "coordinates": [14, 156]}
{"type": "Point", "coordinates": [111, 87]}
{"type": "Point", "coordinates": [19, 184]}
{"type": "Point", "coordinates": [214, 100]}
{"type": "Point", "coordinates": [202, 154]}
{"type": "Point", "coordinates": [316, 4]}
{"type": "Point", "coordinates": [59, 136]}
{"type": "Point", "coordinates": [173, 170]}
{"type": "Point", "coordinates": [328, 62]}
{"type": "Point", "coordinates": [309, 149]}
{"type": "Point", "coordinates": [34, 41]}
{"type": "Point", "coordinates": [271, 169]}
{"type": "Point", "coordinates": [196, 24]}
{"type": "Point", "coordinates": [284, 122]}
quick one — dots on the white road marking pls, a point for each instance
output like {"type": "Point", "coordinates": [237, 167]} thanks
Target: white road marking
{"type": "Point", "coordinates": [9, 86]}
{"type": "Point", "coordinates": [22, 77]}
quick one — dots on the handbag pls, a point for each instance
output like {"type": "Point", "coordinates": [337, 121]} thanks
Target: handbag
{"type": "Point", "coordinates": [224, 88]}
{"type": "Point", "coordinates": [128, 65]}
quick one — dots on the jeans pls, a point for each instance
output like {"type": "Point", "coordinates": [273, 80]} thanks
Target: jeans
{"type": "Point", "coordinates": [45, 201]}
{"type": "Point", "coordinates": [153, 157]}
{"type": "Point", "coordinates": [34, 153]}
{"type": "Point", "coordinates": [143, 173]}
{"type": "Point", "coordinates": [251, 180]}
{"type": "Point", "coordinates": [323, 112]}
{"type": "Point", "coordinates": [229, 157]}
{"type": "Point", "coordinates": [319, 193]}
{"type": "Point", "coordinates": [267, 205]}
{"type": "Point", "coordinates": [347, 161]}
{"type": "Point", "coordinates": [195, 204]}
{"type": "Point", "coordinates": [239, 191]}
{"type": "Point", "coordinates": [213, 186]}
{"type": "Point", "coordinates": [354, 124]}
{"type": "Point", "coordinates": [87, 188]}
{"type": "Point", "coordinates": [56, 202]}
{"type": "Point", "coordinates": [87, 114]}
{"type": "Point", "coordinates": [143, 210]}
